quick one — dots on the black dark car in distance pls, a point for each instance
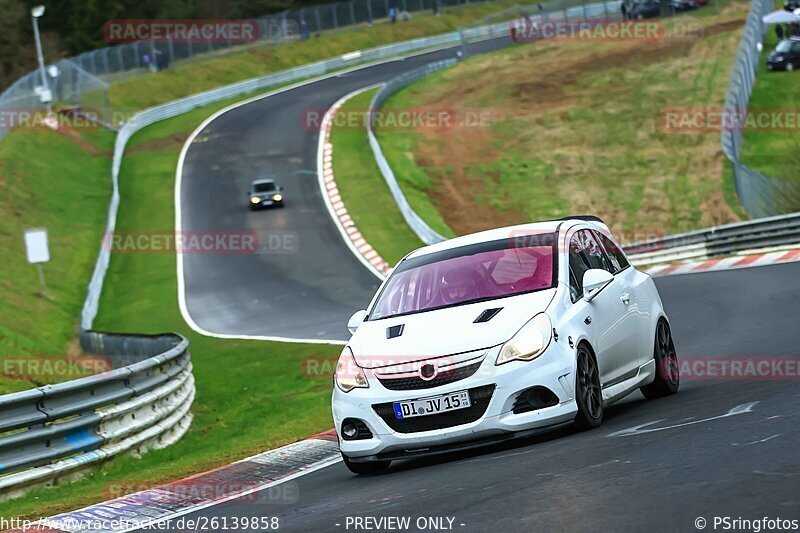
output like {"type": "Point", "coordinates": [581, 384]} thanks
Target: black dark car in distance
{"type": "Point", "coordinates": [786, 55]}
{"type": "Point", "coordinates": [265, 193]}
{"type": "Point", "coordinates": [641, 9]}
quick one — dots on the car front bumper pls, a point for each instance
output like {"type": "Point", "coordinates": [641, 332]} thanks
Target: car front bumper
{"type": "Point", "coordinates": [554, 370]}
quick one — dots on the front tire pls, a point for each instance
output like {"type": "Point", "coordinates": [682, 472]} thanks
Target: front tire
{"type": "Point", "coordinates": [668, 376]}
{"type": "Point", "coordinates": [588, 393]}
{"type": "Point", "coordinates": [374, 467]}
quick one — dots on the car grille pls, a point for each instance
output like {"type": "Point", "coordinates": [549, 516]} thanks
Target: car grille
{"type": "Point", "coordinates": [443, 378]}
{"type": "Point", "coordinates": [479, 398]}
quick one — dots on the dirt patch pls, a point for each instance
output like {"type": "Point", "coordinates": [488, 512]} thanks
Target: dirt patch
{"type": "Point", "coordinates": [542, 91]}
{"type": "Point", "coordinates": [160, 145]}
{"type": "Point", "coordinates": [75, 137]}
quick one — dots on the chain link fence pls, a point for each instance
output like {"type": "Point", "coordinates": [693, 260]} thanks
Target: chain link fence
{"type": "Point", "coordinates": [83, 80]}
{"type": "Point", "coordinates": [760, 195]}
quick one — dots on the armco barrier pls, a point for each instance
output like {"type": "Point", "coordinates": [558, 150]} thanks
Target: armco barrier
{"type": "Point", "coordinates": [53, 433]}
{"type": "Point", "coordinates": [426, 234]}
{"type": "Point", "coordinates": [777, 231]}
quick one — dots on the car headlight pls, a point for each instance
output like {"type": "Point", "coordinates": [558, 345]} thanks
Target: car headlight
{"type": "Point", "coordinates": [529, 342]}
{"type": "Point", "coordinates": [777, 58]}
{"type": "Point", "coordinates": [255, 200]}
{"type": "Point", "coordinates": [278, 197]}
{"type": "Point", "coordinates": [348, 374]}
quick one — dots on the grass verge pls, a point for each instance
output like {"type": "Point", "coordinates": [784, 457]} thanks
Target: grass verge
{"type": "Point", "coordinates": [554, 128]}
{"type": "Point", "coordinates": [366, 195]}
{"type": "Point", "coordinates": [59, 181]}
{"type": "Point", "coordinates": [237, 381]}
{"type": "Point", "coordinates": [190, 77]}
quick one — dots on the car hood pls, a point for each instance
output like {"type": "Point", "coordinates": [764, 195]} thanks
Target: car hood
{"type": "Point", "coordinates": [444, 331]}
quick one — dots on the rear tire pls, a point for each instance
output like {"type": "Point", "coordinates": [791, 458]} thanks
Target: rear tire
{"type": "Point", "coordinates": [374, 467]}
{"type": "Point", "coordinates": [667, 370]}
{"type": "Point", "coordinates": [588, 394]}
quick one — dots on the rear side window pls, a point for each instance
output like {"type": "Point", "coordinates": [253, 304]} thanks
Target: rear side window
{"type": "Point", "coordinates": [584, 254]}
{"type": "Point", "coordinates": [615, 256]}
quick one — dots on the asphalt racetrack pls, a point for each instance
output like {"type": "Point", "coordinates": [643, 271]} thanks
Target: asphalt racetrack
{"type": "Point", "coordinates": [652, 466]}
{"type": "Point", "coordinates": [716, 449]}
{"type": "Point", "coordinates": [305, 283]}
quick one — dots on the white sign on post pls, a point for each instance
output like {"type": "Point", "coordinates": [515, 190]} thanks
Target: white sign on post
{"type": "Point", "coordinates": [37, 251]}
{"type": "Point", "coordinates": [36, 245]}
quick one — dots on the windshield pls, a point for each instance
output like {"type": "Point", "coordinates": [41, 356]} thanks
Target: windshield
{"type": "Point", "coordinates": [468, 274]}
{"type": "Point", "coordinates": [264, 187]}
{"type": "Point", "coordinates": [784, 46]}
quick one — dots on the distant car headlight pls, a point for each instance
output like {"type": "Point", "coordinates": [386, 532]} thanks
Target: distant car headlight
{"type": "Point", "coordinates": [255, 200]}
{"type": "Point", "coordinates": [529, 342]}
{"type": "Point", "coordinates": [348, 374]}
{"type": "Point", "coordinates": [777, 58]}
{"type": "Point", "coordinates": [278, 197]}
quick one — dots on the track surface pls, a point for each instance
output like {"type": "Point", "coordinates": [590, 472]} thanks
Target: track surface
{"type": "Point", "coordinates": [739, 466]}
{"type": "Point", "coordinates": [744, 465]}
{"type": "Point", "coordinates": [307, 286]}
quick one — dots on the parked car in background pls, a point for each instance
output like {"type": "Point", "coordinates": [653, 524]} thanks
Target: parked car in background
{"type": "Point", "coordinates": [786, 55]}
{"type": "Point", "coordinates": [641, 9]}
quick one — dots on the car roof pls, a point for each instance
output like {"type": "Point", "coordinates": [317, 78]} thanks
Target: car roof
{"type": "Point", "coordinates": [263, 180]}
{"type": "Point", "coordinates": [509, 232]}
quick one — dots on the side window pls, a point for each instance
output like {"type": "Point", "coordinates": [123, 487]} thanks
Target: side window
{"type": "Point", "coordinates": [613, 252]}
{"type": "Point", "coordinates": [584, 254]}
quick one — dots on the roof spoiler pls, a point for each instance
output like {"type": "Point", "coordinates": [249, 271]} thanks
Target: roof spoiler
{"type": "Point", "coordinates": [588, 218]}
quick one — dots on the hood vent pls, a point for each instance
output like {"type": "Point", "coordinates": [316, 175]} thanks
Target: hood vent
{"type": "Point", "coordinates": [487, 315]}
{"type": "Point", "coordinates": [394, 331]}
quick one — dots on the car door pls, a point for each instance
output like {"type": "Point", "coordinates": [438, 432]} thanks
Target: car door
{"type": "Point", "coordinates": [635, 296]}
{"type": "Point", "coordinates": [606, 316]}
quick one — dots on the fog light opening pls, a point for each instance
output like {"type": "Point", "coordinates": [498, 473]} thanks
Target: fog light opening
{"type": "Point", "coordinates": [354, 429]}
{"type": "Point", "coordinates": [533, 399]}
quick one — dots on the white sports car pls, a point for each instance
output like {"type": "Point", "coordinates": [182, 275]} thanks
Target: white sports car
{"type": "Point", "coordinates": [498, 335]}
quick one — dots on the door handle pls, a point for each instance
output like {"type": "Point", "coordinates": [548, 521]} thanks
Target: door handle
{"type": "Point", "coordinates": [626, 298]}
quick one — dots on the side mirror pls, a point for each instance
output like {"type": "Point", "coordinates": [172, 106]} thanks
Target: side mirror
{"type": "Point", "coordinates": [280, 187]}
{"type": "Point", "coordinates": [595, 280]}
{"type": "Point", "coordinates": [356, 320]}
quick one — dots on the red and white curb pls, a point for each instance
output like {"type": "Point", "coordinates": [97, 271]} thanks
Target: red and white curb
{"type": "Point", "coordinates": [743, 260]}
{"type": "Point", "coordinates": [335, 203]}
{"type": "Point", "coordinates": [246, 481]}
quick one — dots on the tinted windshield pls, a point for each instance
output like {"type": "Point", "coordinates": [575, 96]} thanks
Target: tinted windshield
{"type": "Point", "coordinates": [263, 187]}
{"type": "Point", "coordinates": [784, 46]}
{"type": "Point", "coordinates": [468, 274]}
